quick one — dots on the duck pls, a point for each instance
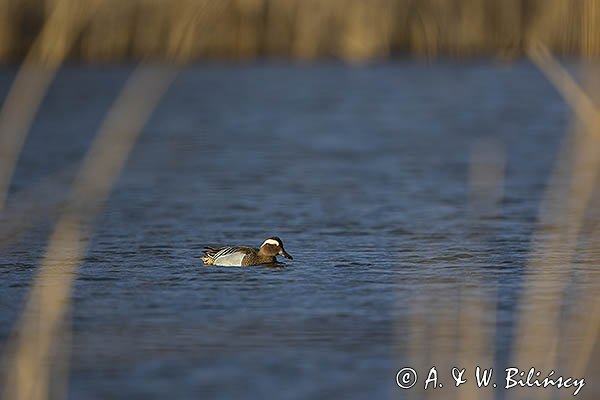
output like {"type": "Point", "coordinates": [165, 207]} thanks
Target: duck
{"type": "Point", "coordinates": [244, 256]}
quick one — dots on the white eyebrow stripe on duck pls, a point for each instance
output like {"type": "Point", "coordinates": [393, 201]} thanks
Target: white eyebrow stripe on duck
{"type": "Point", "coordinates": [270, 241]}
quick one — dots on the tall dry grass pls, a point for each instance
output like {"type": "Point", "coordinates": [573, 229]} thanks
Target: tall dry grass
{"type": "Point", "coordinates": [309, 29]}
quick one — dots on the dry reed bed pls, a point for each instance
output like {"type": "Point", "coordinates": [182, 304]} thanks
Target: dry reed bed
{"type": "Point", "coordinates": [309, 29]}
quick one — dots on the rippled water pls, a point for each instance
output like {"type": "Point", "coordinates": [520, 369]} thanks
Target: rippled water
{"type": "Point", "coordinates": [362, 171]}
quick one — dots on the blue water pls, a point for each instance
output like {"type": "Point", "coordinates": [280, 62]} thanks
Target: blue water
{"type": "Point", "coordinates": [362, 171]}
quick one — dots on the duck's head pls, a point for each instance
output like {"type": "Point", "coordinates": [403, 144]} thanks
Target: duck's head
{"type": "Point", "coordinates": [273, 246]}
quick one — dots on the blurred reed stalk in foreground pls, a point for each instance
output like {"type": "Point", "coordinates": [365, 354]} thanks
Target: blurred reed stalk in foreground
{"type": "Point", "coordinates": [555, 331]}
{"type": "Point", "coordinates": [477, 308]}
{"type": "Point", "coordinates": [547, 332]}
{"type": "Point", "coordinates": [39, 347]}
{"type": "Point", "coordinates": [31, 352]}
{"type": "Point", "coordinates": [309, 29]}
{"type": "Point", "coordinates": [458, 337]}
{"type": "Point", "coordinates": [63, 24]}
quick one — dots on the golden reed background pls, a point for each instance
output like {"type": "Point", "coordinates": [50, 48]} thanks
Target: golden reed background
{"type": "Point", "coordinates": [309, 29]}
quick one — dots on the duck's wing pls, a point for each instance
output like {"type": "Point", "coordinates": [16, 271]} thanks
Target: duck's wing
{"type": "Point", "coordinates": [216, 252]}
{"type": "Point", "coordinates": [230, 256]}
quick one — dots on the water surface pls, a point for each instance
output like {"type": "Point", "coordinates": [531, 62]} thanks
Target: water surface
{"type": "Point", "coordinates": [362, 171]}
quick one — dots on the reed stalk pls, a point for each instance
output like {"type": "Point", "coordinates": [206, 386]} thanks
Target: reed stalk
{"type": "Point", "coordinates": [567, 198]}
{"type": "Point", "coordinates": [48, 52]}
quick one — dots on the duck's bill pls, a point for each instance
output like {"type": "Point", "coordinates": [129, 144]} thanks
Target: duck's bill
{"type": "Point", "coordinates": [286, 255]}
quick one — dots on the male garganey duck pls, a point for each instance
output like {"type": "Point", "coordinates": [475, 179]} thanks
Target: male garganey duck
{"type": "Point", "coordinates": [242, 256]}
